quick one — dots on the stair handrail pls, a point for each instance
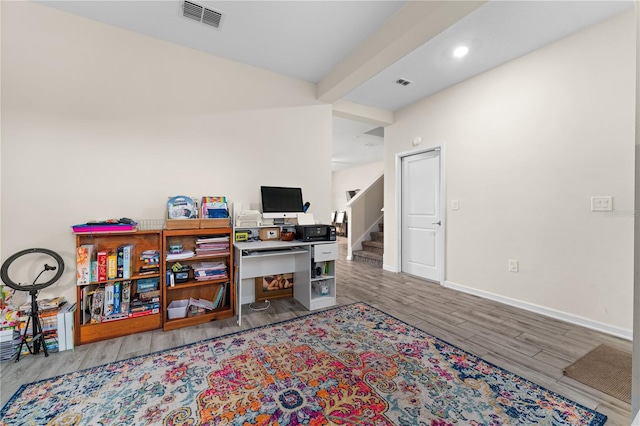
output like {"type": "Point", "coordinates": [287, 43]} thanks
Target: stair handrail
{"type": "Point", "coordinates": [356, 229]}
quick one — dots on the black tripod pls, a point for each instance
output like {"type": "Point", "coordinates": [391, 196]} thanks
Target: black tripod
{"type": "Point", "coordinates": [37, 335]}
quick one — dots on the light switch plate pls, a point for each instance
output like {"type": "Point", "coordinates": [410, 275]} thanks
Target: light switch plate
{"type": "Point", "coordinates": [455, 204]}
{"type": "Point", "coordinates": [602, 203]}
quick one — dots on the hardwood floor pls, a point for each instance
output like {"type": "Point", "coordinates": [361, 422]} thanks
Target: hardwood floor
{"type": "Point", "coordinates": [533, 346]}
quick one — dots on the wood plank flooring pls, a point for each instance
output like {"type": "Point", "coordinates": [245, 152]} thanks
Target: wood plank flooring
{"type": "Point", "coordinates": [530, 345]}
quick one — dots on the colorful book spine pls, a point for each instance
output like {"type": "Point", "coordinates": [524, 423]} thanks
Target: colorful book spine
{"type": "Point", "coordinates": [128, 259]}
{"type": "Point", "coordinates": [144, 313]}
{"type": "Point", "coordinates": [119, 261]}
{"type": "Point", "coordinates": [221, 291]}
{"type": "Point", "coordinates": [147, 284]}
{"type": "Point", "coordinates": [116, 298]}
{"type": "Point", "coordinates": [125, 296]}
{"type": "Point", "coordinates": [97, 305]}
{"type": "Point", "coordinates": [94, 271]}
{"type": "Point", "coordinates": [102, 265]}
{"type": "Point", "coordinates": [108, 300]}
{"type": "Point", "coordinates": [112, 266]}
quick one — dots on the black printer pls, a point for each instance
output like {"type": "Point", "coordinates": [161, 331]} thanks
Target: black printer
{"type": "Point", "coordinates": [315, 233]}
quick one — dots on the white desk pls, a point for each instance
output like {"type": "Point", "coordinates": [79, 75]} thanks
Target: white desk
{"type": "Point", "coordinates": [262, 258]}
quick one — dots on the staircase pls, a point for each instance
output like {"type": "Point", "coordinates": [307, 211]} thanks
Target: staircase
{"type": "Point", "coordinates": [372, 250]}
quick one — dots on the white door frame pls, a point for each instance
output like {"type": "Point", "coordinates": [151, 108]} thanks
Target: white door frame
{"type": "Point", "coordinates": [443, 210]}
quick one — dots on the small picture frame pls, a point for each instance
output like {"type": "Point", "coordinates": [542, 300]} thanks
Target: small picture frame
{"type": "Point", "coordinates": [272, 287]}
{"type": "Point", "coordinates": [269, 234]}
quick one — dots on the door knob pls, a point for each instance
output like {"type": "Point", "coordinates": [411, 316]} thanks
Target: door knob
{"type": "Point", "coordinates": [437, 223]}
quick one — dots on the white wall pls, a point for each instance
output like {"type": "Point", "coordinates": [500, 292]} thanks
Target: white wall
{"type": "Point", "coordinates": [527, 145]}
{"type": "Point", "coordinates": [99, 122]}
{"type": "Point", "coordinates": [352, 178]}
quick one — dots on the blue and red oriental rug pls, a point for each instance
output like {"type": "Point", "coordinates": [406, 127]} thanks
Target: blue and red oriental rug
{"type": "Point", "coordinates": [351, 365]}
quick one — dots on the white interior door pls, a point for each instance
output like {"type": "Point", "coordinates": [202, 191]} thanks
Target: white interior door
{"type": "Point", "coordinates": [421, 224]}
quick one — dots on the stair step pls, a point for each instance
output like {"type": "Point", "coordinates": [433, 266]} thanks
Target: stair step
{"type": "Point", "coordinates": [376, 247]}
{"type": "Point", "coordinates": [377, 236]}
{"type": "Point", "coordinates": [367, 257]}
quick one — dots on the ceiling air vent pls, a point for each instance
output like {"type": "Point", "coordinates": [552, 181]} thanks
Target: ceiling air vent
{"type": "Point", "coordinates": [201, 14]}
{"type": "Point", "coordinates": [403, 82]}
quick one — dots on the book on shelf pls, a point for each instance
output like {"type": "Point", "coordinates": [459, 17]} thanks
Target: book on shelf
{"type": "Point", "coordinates": [115, 317]}
{"type": "Point", "coordinates": [84, 255]}
{"type": "Point", "coordinates": [94, 270]}
{"type": "Point", "coordinates": [221, 290]}
{"type": "Point", "coordinates": [127, 268]}
{"type": "Point", "coordinates": [143, 306]}
{"type": "Point", "coordinates": [112, 266]}
{"type": "Point", "coordinates": [144, 313]}
{"type": "Point", "coordinates": [116, 297]}
{"type": "Point", "coordinates": [148, 284]}
{"type": "Point", "coordinates": [149, 270]}
{"type": "Point", "coordinates": [125, 292]}
{"type": "Point", "coordinates": [65, 326]}
{"type": "Point", "coordinates": [151, 257]}
{"type": "Point", "coordinates": [108, 300]}
{"type": "Point", "coordinates": [102, 265]}
{"type": "Point", "coordinates": [124, 263]}
{"type": "Point", "coordinates": [97, 304]}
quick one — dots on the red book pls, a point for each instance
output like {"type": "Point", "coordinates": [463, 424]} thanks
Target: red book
{"type": "Point", "coordinates": [102, 264]}
{"type": "Point", "coordinates": [144, 313]}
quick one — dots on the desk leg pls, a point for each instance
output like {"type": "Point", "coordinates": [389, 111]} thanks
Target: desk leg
{"type": "Point", "coordinates": [238, 293]}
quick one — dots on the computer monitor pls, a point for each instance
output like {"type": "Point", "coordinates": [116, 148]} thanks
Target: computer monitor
{"type": "Point", "coordinates": [281, 203]}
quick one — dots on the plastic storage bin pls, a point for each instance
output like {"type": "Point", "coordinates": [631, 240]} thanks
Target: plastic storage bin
{"type": "Point", "coordinates": [177, 309]}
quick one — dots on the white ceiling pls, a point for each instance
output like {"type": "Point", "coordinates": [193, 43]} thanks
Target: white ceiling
{"type": "Point", "coordinates": [309, 39]}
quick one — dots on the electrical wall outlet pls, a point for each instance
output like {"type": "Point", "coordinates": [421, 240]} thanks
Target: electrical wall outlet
{"type": "Point", "coordinates": [602, 203]}
{"type": "Point", "coordinates": [513, 265]}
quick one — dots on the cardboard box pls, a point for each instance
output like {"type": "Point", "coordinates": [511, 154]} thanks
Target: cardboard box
{"type": "Point", "coordinates": [270, 234]}
{"type": "Point", "coordinates": [215, 223]}
{"type": "Point", "coordinates": [182, 224]}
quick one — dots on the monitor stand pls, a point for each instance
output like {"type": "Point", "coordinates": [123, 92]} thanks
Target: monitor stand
{"type": "Point", "coordinates": [278, 221]}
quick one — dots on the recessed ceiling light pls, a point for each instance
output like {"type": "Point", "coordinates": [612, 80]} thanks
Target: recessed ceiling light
{"type": "Point", "coordinates": [460, 51]}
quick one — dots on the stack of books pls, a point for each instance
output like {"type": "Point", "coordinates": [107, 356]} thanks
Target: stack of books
{"type": "Point", "coordinates": [205, 271]}
{"type": "Point", "coordinates": [150, 262]}
{"type": "Point", "coordinates": [146, 301]}
{"type": "Point", "coordinates": [48, 310]}
{"type": "Point", "coordinates": [9, 342]}
{"type": "Point", "coordinates": [213, 246]}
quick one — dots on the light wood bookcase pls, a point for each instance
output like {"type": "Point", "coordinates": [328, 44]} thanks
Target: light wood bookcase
{"type": "Point", "coordinates": [143, 240]}
{"type": "Point", "coordinates": [197, 289]}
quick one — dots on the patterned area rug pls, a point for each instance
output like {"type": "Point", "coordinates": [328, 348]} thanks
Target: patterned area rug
{"type": "Point", "coordinates": [352, 365]}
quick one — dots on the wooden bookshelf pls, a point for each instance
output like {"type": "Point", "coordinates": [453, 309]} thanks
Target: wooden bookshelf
{"type": "Point", "coordinates": [86, 332]}
{"type": "Point", "coordinates": [197, 289]}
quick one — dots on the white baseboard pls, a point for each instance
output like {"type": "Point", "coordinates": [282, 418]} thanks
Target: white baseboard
{"type": "Point", "coordinates": [553, 313]}
{"type": "Point", "coordinates": [349, 257]}
{"type": "Point", "coordinates": [389, 268]}
{"type": "Point", "coordinates": [247, 299]}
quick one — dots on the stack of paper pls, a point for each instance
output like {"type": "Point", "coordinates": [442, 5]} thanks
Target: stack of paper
{"type": "Point", "coordinates": [216, 246]}
{"type": "Point", "coordinates": [185, 254]}
{"type": "Point", "coordinates": [209, 271]}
